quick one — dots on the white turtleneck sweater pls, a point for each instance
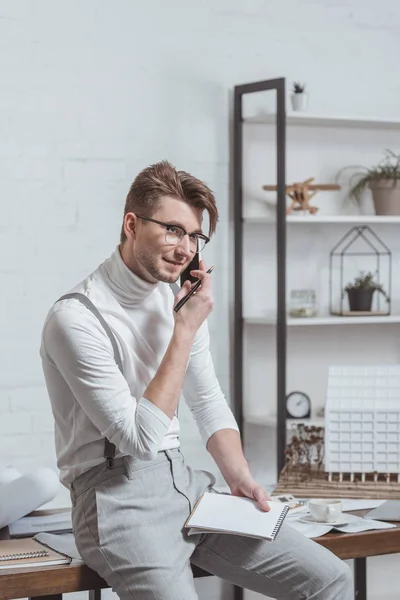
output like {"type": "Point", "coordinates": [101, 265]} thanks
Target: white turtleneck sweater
{"type": "Point", "coordinates": [91, 399]}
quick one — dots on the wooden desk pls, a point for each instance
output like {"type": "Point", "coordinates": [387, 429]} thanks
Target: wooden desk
{"type": "Point", "coordinates": [359, 546]}
{"type": "Point", "coordinates": [52, 582]}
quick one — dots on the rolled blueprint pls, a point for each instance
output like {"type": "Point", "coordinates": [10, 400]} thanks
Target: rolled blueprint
{"type": "Point", "coordinates": [22, 495]}
{"type": "Point", "coordinates": [8, 474]}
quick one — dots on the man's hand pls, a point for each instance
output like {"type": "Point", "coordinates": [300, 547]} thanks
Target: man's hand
{"type": "Point", "coordinates": [225, 447]}
{"type": "Point", "coordinates": [248, 488]}
{"type": "Point", "coordinates": [200, 305]}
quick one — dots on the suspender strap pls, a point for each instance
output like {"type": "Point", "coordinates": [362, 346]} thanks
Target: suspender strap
{"type": "Point", "coordinates": [109, 448]}
{"type": "Point", "coordinates": [175, 288]}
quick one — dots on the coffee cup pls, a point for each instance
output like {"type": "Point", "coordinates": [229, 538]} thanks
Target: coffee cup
{"type": "Point", "coordinates": [325, 511]}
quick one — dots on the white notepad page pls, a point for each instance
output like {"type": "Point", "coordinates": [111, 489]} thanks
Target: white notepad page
{"type": "Point", "coordinates": [232, 514]}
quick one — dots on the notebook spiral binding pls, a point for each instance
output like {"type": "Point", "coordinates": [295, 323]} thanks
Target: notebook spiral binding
{"type": "Point", "coordinates": [23, 555]}
{"type": "Point", "coordinates": [279, 522]}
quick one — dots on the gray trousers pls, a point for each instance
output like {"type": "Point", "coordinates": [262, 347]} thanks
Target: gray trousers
{"type": "Point", "coordinates": [128, 523]}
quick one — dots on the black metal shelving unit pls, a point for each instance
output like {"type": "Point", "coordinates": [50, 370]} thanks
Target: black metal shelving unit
{"type": "Point", "coordinates": [360, 570]}
{"type": "Point", "coordinates": [239, 91]}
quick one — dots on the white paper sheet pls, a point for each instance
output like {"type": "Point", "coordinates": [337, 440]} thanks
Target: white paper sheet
{"type": "Point", "coordinates": [349, 504]}
{"type": "Point", "coordinates": [8, 474]}
{"type": "Point", "coordinates": [309, 530]}
{"type": "Point", "coordinates": [27, 526]}
{"type": "Point", "coordinates": [25, 494]}
{"type": "Point", "coordinates": [355, 525]}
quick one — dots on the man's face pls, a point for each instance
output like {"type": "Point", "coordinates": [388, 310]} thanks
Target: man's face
{"type": "Point", "coordinates": [146, 251]}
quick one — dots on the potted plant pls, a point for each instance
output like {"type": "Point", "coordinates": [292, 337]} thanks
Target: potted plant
{"type": "Point", "coordinates": [299, 97]}
{"type": "Point", "coordinates": [383, 180]}
{"type": "Point", "coordinates": [360, 292]}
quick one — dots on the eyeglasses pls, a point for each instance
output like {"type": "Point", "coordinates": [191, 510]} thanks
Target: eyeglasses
{"type": "Point", "coordinates": [175, 234]}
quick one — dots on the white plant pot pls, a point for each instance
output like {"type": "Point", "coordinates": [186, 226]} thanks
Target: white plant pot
{"type": "Point", "coordinates": [299, 102]}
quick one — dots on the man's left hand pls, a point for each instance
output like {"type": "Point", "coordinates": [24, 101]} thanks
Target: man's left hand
{"type": "Point", "coordinates": [248, 488]}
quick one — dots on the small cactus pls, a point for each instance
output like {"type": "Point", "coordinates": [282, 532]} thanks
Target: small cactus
{"type": "Point", "coordinates": [298, 88]}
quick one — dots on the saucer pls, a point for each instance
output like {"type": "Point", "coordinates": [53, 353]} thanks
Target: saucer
{"type": "Point", "coordinates": [344, 520]}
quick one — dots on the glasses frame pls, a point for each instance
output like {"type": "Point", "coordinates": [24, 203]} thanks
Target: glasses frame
{"type": "Point", "coordinates": [201, 236]}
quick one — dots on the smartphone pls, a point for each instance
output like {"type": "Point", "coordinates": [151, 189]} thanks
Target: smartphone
{"type": "Point", "coordinates": [194, 264]}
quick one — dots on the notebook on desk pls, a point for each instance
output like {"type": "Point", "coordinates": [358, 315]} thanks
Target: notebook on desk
{"type": "Point", "coordinates": [27, 552]}
{"type": "Point", "coordinates": [388, 511]}
{"type": "Point", "coordinates": [223, 513]}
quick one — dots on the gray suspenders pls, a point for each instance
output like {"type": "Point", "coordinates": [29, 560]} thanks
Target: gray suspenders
{"type": "Point", "coordinates": [109, 448]}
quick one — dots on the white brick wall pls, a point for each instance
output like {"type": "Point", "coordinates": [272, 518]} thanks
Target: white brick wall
{"type": "Point", "coordinates": [91, 92]}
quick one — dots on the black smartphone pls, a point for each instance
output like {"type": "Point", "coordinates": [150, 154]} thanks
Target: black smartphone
{"type": "Point", "coordinates": [194, 264]}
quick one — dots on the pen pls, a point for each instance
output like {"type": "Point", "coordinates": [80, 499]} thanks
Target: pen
{"type": "Point", "coordinates": [196, 286]}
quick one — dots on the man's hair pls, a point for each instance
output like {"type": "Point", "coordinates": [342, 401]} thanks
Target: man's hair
{"type": "Point", "coordinates": [162, 179]}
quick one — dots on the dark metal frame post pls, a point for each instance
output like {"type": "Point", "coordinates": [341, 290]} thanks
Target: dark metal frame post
{"type": "Point", "coordinates": [360, 578]}
{"type": "Point", "coordinates": [281, 332]}
{"type": "Point", "coordinates": [239, 92]}
{"type": "Point", "coordinates": [237, 387]}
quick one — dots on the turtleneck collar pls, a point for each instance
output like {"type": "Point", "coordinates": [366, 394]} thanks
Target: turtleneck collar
{"type": "Point", "coordinates": [127, 287]}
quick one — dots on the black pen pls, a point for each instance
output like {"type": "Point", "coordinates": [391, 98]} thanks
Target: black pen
{"type": "Point", "coordinates": [196, 286]}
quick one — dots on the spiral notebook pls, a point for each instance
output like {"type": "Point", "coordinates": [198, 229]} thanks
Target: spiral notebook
{"type": "Point", "coordinates": [223, 513]}
{"type": "Point", "coordinates": [27, 552]}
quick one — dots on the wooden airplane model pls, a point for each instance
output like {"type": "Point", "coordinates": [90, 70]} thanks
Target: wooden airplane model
{"type": "Point", "coordinates": [302, 192]}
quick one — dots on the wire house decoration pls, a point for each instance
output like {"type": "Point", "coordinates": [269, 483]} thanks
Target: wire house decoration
{"type": "Point", "coordinates": [360, 275]}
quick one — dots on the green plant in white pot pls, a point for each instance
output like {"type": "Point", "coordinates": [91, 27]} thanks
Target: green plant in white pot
{"type": "Point", "coordinates": [384, 182]}
{"type": "Point", "coordinates": [360, 292]}
{"type": "Point", "coordinates": [299, 96]}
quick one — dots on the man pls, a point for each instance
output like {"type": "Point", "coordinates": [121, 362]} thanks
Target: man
{"type": "Point", "coordinates": [129, 509]}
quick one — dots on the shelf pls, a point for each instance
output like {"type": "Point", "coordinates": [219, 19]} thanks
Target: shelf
{"type": "Point", "coordinates": [272, 421]}
{"type": "Point", "coordinates": [313, 120]}
{"type": "Point", "coordinates": [255, 133]}
{"type": "Point", "coordinates": [324, 320]}
{"type": "Point", "coordinates": [306, 219]}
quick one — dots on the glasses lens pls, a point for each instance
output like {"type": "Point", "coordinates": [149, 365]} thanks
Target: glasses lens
{"type": "Point", "coordinates": [201, 242]}
{"type": "Point", "coordinates": [173, 237]}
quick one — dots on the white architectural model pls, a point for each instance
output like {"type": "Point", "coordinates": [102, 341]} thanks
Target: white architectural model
{"type": "Point", "coordinates": [362, 421]}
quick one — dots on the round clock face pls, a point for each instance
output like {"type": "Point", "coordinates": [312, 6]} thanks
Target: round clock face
{"type": "Point", "coordinates": [298, 405]}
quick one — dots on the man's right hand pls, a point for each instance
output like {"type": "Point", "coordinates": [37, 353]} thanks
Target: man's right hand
{"type": "Point", "coordinates": [196, 310]}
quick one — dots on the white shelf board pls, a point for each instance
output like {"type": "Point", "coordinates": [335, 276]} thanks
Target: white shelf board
{"type": "Point", "coordinates": [314, 120]}
{"type": "Point", "coordinates": [272, 421]}
{"type": "Point", "coordinates": [306, 219]}
{"type": "Point", "coordinates": [324, 320]}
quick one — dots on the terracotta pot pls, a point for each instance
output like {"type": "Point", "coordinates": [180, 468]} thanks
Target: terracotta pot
{"type": "Point", "coordinates": [386, 196]}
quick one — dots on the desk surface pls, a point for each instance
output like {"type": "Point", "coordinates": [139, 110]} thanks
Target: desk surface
{"type": "Point", "coordinates": [61, 579]}
{"type": "Point", "coordinates": [361, 545]}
